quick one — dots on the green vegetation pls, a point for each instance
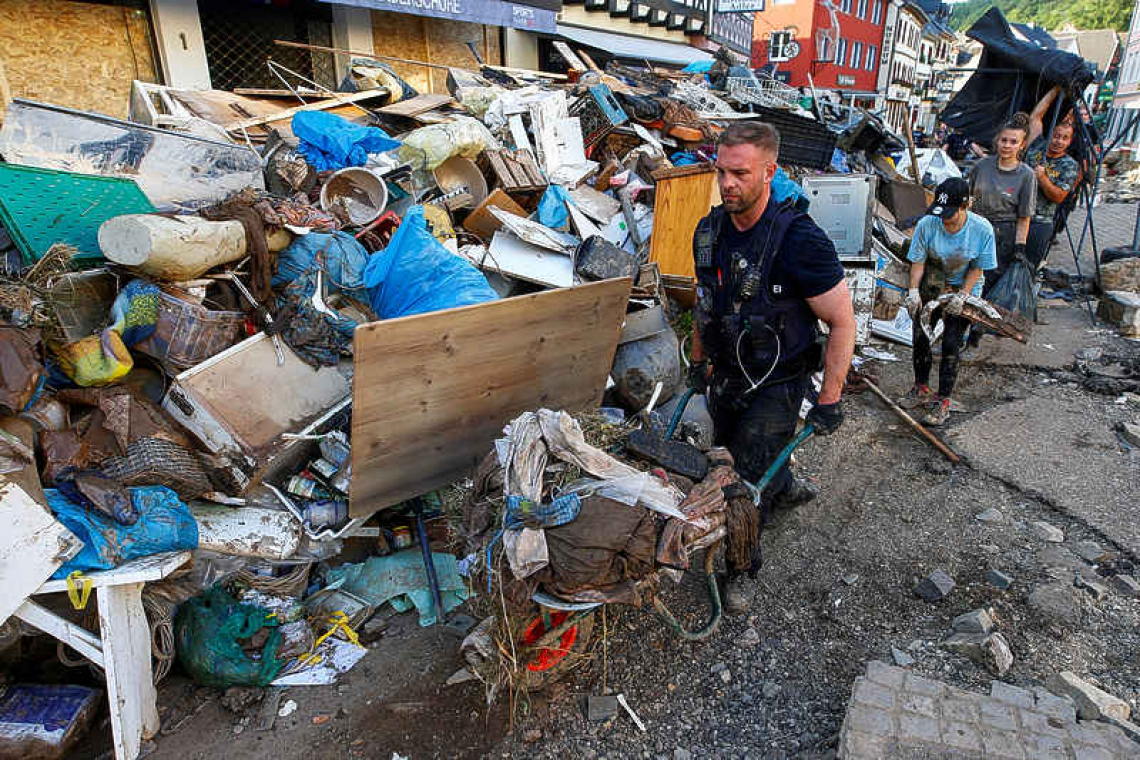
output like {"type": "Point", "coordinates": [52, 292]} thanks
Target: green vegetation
{"type": "Point", "coordinates": [1050, 14]}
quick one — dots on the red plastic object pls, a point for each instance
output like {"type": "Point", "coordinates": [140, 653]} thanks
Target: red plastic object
{"type": "Point", "coordinates": [548, 658]}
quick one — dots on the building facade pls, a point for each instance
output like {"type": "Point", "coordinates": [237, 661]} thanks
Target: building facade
{"type": "Point", "coordinates": [1126, 103]}
{"type": "Point", "coordinates": [836, 44]}
{"type": "Point", "coordinates": [899, 66]}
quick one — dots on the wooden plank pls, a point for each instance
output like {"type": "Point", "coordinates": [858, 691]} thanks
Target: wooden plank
{"type": "Point", "coordinates": [75, 636]}
{"type": "Point", "coordinates": [433, 391]}
{"type": "Point", "coordinates": [672, 172]}
{"type": "Point", "coordinates": [258, 92]}
{"type": "Point", "coordinates": [575, 62]}
{"type": "Point", "coordinates": [131, 695]}
{"type": "Point", "coordinates": [417, 105]}
{"type": "Point", "coordinates": [33, 545]}
{"type": "Point", "coordinates": [530, 167]}
{"type": "Point", "coordinates": [153, 567]}
{"type": "Point", "coordinates": [681, 202]}
{"type": "Point", "coordinates": [589, 61]}
{"type": "Point", "coordinates": [288, 113]}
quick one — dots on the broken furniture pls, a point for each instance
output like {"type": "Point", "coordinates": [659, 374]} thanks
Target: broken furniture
{"type": "Point", "coordinates": [684, 195]}
{"type": "Point", "coordinates": [123, 646]}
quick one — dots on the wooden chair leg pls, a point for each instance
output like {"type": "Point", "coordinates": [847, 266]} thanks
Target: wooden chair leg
{"type": "Point", "coordinates": [131, 695]}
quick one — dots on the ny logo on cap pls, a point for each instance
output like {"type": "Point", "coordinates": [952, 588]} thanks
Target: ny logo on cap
{"type": "Point", "coordinates": [944, 198]}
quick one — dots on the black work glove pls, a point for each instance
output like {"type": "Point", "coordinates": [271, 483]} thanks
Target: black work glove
{"type": "Point", "coordinates": [699, 377]}
{"type": "Point", "coordinates": [826, 418]}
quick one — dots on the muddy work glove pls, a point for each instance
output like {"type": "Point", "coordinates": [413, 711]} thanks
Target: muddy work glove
{"type": "Point", "coordinates": [699, 377]}
{"type": "Point", "coordinates": [913, 301]}
{"type": "Point", "coordinates": [826, 418]}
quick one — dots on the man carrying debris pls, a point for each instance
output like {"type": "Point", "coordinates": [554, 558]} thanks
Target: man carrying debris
{"type": "Point", "coordinates": [950, 249]}
{"type": "Point", "coordinates": [766, 273]}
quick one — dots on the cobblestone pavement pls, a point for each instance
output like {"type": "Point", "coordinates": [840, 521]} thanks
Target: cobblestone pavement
{"type": "Point", "coordinates": [1113, 223]}
{"type": "Point", "coordinates": [894, 714]}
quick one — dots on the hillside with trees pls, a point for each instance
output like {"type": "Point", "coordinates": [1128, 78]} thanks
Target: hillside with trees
{"type": "Point", "coordinates": [1050, 14]}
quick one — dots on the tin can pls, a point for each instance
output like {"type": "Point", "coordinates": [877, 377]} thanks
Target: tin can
{"type": "Point", "coordinates": [402, 536]}
{"type": "Point", "coordinates": [306, 488]}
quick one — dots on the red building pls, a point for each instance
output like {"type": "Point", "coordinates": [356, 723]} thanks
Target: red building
{"type": "Point", "coordinates": [838, 44]}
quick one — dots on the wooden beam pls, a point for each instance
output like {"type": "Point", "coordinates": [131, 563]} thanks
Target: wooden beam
{"type": "Point", "coordinates": [321, 105]}
{"type": "Point", "coordinates": [410, 62]}
{"type": "Point", "coordinates": [432, 392]}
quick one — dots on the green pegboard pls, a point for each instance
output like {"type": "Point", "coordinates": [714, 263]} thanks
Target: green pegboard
{"type": "Point", "coordinates": [42, 207]}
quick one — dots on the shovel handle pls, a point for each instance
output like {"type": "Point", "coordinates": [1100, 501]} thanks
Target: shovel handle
{"type": "Point", "coordinates": [677, 414]}
{"type": "Point", "coordinates": [782, 457]}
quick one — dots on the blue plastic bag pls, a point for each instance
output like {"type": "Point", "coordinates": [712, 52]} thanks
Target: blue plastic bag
{"type": "Point", "coordinates": [415, 274]}
{"type": "Point", "coordinates": [552, 208]}
{"type": "Point", "coordinates": [344, 261]}
{"type": "Point", "coordinates": [331, 142]}
{"type": "Point", "coordinates": [164, 525]}
{"type": "Point", "coordinates": [784, 187]}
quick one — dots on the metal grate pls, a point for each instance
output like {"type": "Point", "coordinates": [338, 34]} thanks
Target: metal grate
{"type": "Point", "coordinates": [239, 41]}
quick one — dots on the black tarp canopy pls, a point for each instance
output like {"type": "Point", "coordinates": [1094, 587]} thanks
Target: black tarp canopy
{"type": "Point", "coordinates": [1012, 76]}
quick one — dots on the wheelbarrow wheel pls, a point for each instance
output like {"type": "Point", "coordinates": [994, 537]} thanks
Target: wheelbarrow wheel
{"type": "Point", "coordinates": [541, 666]}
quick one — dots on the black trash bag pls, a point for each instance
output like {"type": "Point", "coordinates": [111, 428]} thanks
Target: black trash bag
{"type": "Point", "coordinates": [1014, 291]}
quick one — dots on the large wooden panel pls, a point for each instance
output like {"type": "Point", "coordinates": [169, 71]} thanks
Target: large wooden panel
{"type": "Point", "coordinates": [33, 545]}
{"type": "Point", "coordinates": [75, 54]}
{"type": "Point", "coordinates": [682, 199]}
{"type": "Point", "coordinates": [432, 392]}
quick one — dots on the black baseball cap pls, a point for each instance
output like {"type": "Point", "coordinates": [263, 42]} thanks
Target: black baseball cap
{"type": "Point", "coordinates": [951, 195]}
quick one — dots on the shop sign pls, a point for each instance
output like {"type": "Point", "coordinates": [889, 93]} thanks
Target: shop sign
{"type": "Point", "coordinates": [740, 6]}
{"type": "Point", "coordinates": [491, 12]}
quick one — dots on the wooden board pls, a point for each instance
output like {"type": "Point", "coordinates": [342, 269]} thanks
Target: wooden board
{"type": "Point", "coordinates": [33, 545]}
{"type": "Point", "coordinates": [432, 392]}
{"type": "Point", "coordinates": [681, 202]}
{"type": "Point", "coordinates": [483, 223]}
{"type": "Point", "coordinates": [417, 105]}
{"type": "Point", "coordinates": [321, 105]}
{"type": "Point", "coordinates": [572, 59]}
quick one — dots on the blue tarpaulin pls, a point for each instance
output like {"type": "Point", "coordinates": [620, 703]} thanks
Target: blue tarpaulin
{"type": "Point", "coordinates": [329, 142]}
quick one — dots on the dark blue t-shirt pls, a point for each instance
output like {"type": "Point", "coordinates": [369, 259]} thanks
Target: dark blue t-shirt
{"type": "Point", "coordinates": [806, 264]}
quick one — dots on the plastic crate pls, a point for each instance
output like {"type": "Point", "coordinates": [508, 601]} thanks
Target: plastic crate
{"type": "Point", "coordinates": [803, 142]}
{"type": "Point", "coordinates": [599, 112]}
{"type": "Point", "coordinates": [41, 207]}
{"type": "Point", "coordinates": [188, 334]}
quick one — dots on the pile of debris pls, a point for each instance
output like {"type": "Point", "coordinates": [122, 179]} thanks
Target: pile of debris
{"type": "Point", "coordinates": [217, 311]}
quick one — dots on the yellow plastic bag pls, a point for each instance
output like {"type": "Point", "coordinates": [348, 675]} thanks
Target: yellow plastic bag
{"type": "Point", "coordinates": [95, 360]}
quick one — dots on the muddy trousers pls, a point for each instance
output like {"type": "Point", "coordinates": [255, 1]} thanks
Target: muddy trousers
{"type": "Point", "coordinates": [1037, 244]}
{"type": "Point", "coordinates": [953, 332]}
{"type": "Point", "coordinates": [757, 425]}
